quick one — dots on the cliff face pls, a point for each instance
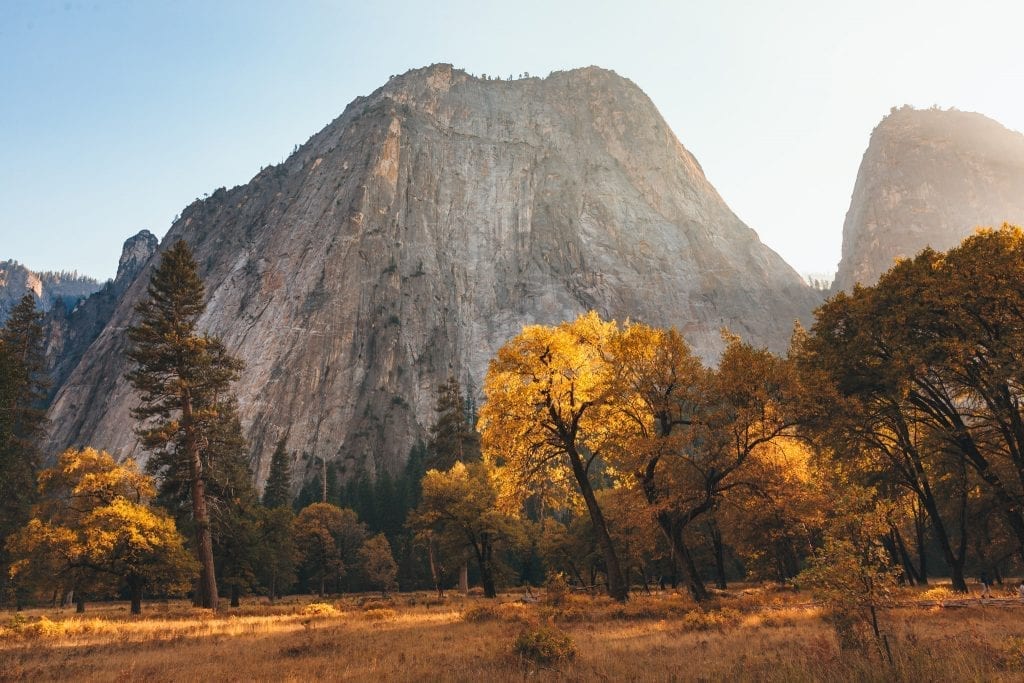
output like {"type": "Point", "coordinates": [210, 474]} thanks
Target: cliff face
{"type": "Point", "coordinates": [928, 178]}
{"type": "Point", "coordinates": [48, 288]}
{"type": "Point", "coordinates": [419, 231]}
{"type": "Point", "coordinates": [69, 331]}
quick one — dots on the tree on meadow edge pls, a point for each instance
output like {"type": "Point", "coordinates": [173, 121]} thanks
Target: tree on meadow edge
{"type": "Point", "coordinates": [94, 531]}
{"type": "Point", "coordinates": [548, 418]}
{"type": "Point", "coordinates": [22, 420]}
{"type": "Point", "coordinates": [182, 378]}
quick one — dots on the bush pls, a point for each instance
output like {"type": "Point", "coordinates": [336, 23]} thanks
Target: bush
{"type": "Point", "coordinates": [320, 609]}
{"type": "Point", "coordinates": [545, 645]}
{"type": "Point", "coordinates": [556, 589]}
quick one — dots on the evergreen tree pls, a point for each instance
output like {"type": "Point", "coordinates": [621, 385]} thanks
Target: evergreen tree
{"type": "Point", "coordinates": [22, 420]}
{"type": "Point", "coordinates": [183, 378]}
{"type": "Point", "coordinates": [453, 437]}
{"type": "Point", "coordinates": [277, 492]}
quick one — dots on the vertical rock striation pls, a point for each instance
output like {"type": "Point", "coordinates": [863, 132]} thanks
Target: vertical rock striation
{"type": "Point", "coordinates": [420, 230]}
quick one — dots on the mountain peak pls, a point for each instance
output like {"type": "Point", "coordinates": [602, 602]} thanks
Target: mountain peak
{"type": "Point", "coordinates": [929, 177]}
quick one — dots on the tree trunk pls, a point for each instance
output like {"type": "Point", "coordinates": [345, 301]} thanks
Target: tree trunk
{"type": "Point", "coordinates": [464, 578]}
{"type": "Point", "coordinates": [618, 589]}
{"type": "Point", "coordinates": [136, 593]}
{"type": "Point", "coordinates": [922, 557]}
{"type": "Point", "coordinates": [200, 514]}
{"type": "Point", "coordinates": [697, 589]}
{"type": "Point", "coordinates": [956, 564]}
{"type": "Point", "coordinates": [235, 595]}
{"type": "Point", "coordinates": [716, 542]}
{"type": "Point", "coordinates": [434, 573]}
{"type": "Point", "coordinates": [486, 568]}
{"type": "Point", "coordinates": [79, 603]}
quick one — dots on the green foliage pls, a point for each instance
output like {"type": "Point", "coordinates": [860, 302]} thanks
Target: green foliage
{"type": "Point", "coordinates": [459, 507]}
{"type": "Point", "coordinates": [453, 436]}
{"type": "Point", "coordinates": [94, 531]}
{"type": "Point", "coordinates": [22, 421]}
{"type": "Point", "coordinates": [187, 418]}
{"type": "Point", "coordinates": [277, 492]}
{"type": "Point", "coordinates": [545, 645]}
{"type": "Point", "coordinates": [378, 563]}
{"type": "Point", "coordinates": [328, 539]}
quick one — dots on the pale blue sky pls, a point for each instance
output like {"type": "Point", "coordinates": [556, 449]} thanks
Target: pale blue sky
{"type": "Point", "coordinates": [115, 115]}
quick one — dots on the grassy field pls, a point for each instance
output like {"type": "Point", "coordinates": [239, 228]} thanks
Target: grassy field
{"type": "Point", "coordinates": [748, 634]}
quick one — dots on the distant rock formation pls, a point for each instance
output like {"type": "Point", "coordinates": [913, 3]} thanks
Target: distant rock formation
{"type": "Point", "coordinates": [928, 178]}
{"type": "Point", "coordinates": [70, 330]}
{"type": "Point", "coordinates": [48, 288]}
{"type": "Point", "coordinates": [419, 231]}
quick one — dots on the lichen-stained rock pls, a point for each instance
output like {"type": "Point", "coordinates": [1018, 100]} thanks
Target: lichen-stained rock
{"type": "Point", "coordinates": [928, 178]}
{"type": "Point", "coordinates": [419, 231]}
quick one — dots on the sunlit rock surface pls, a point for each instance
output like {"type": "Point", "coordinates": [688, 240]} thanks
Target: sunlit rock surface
{"type": "Point", "coordinates": [928, 178]}
{"type": "Point", "coordinates": [420, 230]}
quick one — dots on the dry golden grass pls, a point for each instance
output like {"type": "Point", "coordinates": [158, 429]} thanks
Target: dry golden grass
{"type": "Point", "coordinates": [747, 634]}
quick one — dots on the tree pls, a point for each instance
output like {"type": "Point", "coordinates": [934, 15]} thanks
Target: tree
{"type": "Point", "coordinates": [850, 572]}
{"type": "Point", "coordinates": [182, 378]}
{"type": "Point", "coordinates": [929, 360]}
{"type": "Point", "coordinates": [22, 419]}
{"type": "Point", "coordinates": [453, 437]}
{"type": "Point", "coordinates": [328, 539]}
{"type": "Point", "coordinates": [690, 435]}
{"type": "Point", "coordinates": [278, 491]}
{"type": "Point", "coordinates": [278, 554]}
{"type": "Point", "coordinates": [549, 417]}
{"type": "Point", "coordinates": [94, 528]}
{"type": "Point", "coordinates": [378, 563]}
{"type": "Point", "coordinates": [459, 508]}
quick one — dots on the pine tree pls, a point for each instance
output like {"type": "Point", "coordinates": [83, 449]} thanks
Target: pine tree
{"type": "Point", "coordinates": [183, 378]}
{"type": "Point", "coordinates": [22, 420]}
{"type": "Point", "coordinates": [277, 492]}
{"type": "Point", "coordinates": [452, 437]}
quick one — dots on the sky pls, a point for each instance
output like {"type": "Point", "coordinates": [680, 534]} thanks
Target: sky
{"type": "Point", "coordinates": [115, 115]}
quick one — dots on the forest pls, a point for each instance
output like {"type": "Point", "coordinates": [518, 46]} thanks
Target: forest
{"type": "Point", "coordinates": [881, 458]}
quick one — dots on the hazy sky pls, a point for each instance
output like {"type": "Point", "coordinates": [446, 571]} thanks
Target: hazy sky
{"type": "Point", "coordinates": [115, 115]}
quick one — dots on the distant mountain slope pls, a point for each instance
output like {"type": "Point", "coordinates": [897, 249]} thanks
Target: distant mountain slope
{"type": "Point", "coordinates": [47, 287]}
{"type": "Point", "coordinates": [928, 178]}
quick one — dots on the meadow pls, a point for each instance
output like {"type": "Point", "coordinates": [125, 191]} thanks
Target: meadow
{"type": "Point", "coordinates": [746, 633]}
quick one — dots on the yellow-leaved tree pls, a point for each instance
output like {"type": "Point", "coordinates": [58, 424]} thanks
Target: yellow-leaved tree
{"type": "Point", "coordinates": [95, 532]}
{"type": "Point", "coordinates": [549, 412]}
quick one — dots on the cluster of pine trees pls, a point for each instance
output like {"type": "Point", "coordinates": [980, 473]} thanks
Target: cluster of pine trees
{"type": "Point", "coordinates": [889, 443]}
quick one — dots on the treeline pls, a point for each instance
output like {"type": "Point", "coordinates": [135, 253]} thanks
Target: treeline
{"type": "Point", "coordinates": [886, 447]}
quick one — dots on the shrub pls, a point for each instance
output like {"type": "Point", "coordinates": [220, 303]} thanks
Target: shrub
{"type": "Point", "coordinates": [556, 589]}
{"type": "Point", "coordinates": [938, 594]}
{"type": "Point", "coordinates": [320, 609]}
{"type": "Point", "coordinates": [545, 645]}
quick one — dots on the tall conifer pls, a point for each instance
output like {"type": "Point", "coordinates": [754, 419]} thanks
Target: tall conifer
{"type": "Point", "coordinates": [183, 378]}
{"type": "Point", "coordinates": [278, 491]}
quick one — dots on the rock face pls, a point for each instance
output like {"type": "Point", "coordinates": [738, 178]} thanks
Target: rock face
{"type": "Point", "coordinates": [415, 234]}
{"type": "Point", "coordinates": [70, 331]}
{"type": "Point", "coordinates": [48, 288]}
{"type": "Point", "coordinates": [928, 178]}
